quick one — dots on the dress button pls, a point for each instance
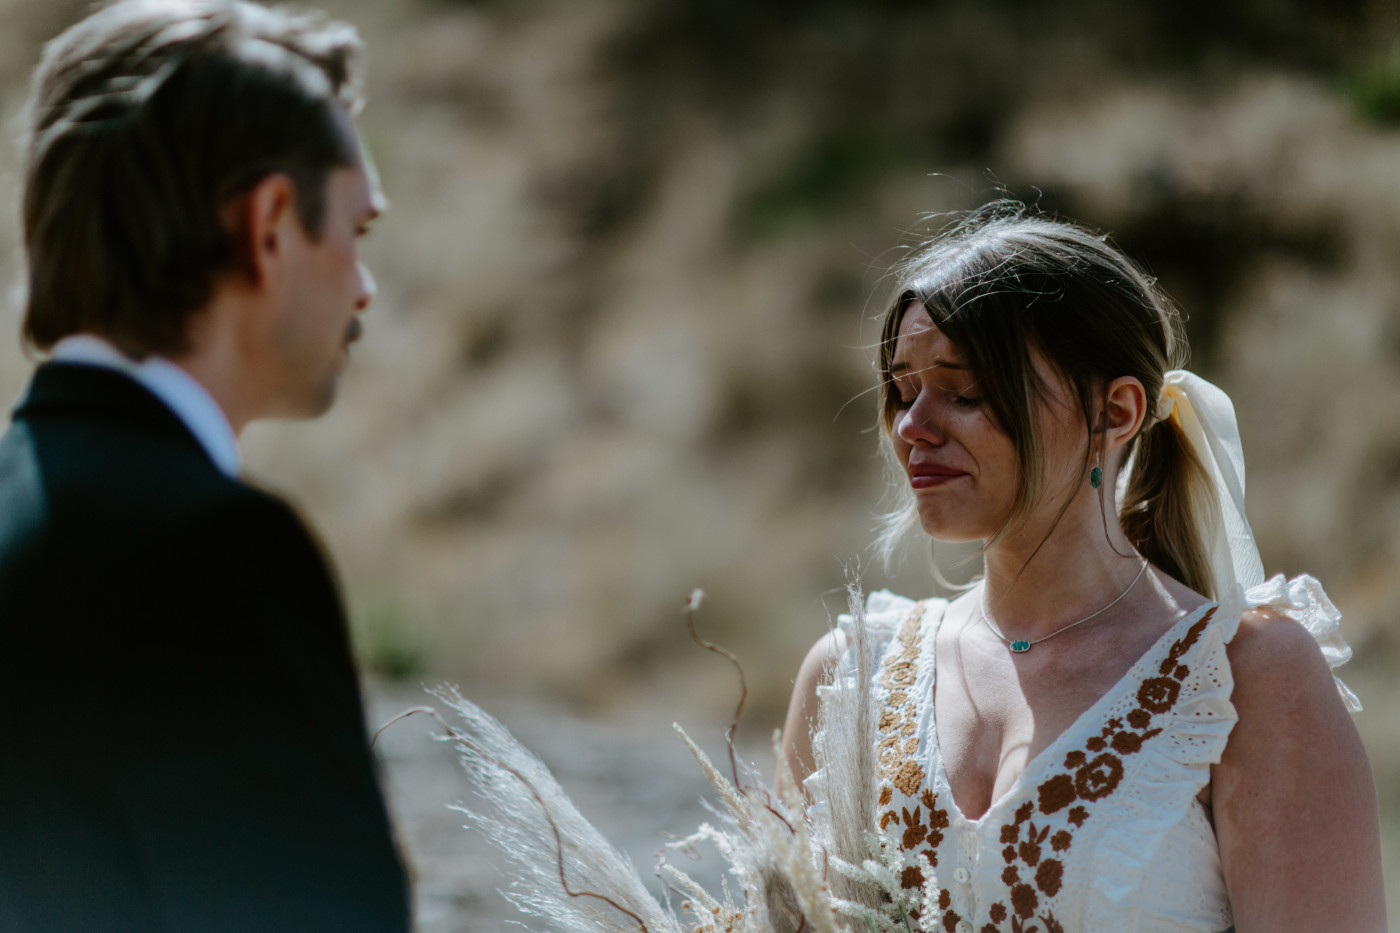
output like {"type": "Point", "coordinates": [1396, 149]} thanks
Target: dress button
{"type": "Point", "coordinates": [961, 875]}
{"type": "Point", "coordinates": [963, 927]}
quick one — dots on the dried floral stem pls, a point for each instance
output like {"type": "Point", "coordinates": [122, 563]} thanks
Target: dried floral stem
{"type": "Point", "coordinates": [553, 827]}
{"type": "Point", "coordinates": [691, 605]}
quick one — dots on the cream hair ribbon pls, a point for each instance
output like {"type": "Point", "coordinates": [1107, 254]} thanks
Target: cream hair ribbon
{"type": "Point", "coordinates": [1207, 419]}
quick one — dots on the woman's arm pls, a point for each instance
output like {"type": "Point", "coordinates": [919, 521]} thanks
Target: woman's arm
{"type": "Point", "coordinates": [1293, 799]}
{"type": "Point", "coordinates": [802, 709]}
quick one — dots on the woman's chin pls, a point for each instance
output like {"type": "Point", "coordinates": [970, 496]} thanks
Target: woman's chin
{"type": "Point", "coordinates": [948, 530]}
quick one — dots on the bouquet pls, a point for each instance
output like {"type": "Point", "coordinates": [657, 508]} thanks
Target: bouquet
{"type": "Point", "coordinates": [799, 864]}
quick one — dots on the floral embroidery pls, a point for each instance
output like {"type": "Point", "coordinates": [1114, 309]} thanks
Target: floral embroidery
{"type": "Point", "coordinates": [1092, 774]}
{"type": "Point", "coordinates": [909, 777]}
{"type": "Point", "coordinates": [1055, 794]}
{"type": "Point", "coordinates": [1034, 848]}
{"type": "Point", "coordinates": [1048, 875]}
{"type": "Point", "coordinates": [897, 746]}
{"type": "Point", "coordinates": [1023, 900]}
{"type": "Point", "coordinates": [917, 829]}
{"type": "Point", "coordinates": [1158, 694]}
{"type": "Point", "coordinates": [1098, 778]}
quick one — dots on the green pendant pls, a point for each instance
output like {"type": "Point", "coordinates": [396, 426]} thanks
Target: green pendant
{"type": "Point", "coordinates": [1020, 646]}
{"type": "Point", "coordinates": [1096, 477]}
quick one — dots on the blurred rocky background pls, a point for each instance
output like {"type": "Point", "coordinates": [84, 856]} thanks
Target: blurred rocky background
{"type": "Point", "coordinates": [632, 273]}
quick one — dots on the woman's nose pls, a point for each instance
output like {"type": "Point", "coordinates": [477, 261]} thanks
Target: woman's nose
{"type": "Point", "coordinates": [919, 423]}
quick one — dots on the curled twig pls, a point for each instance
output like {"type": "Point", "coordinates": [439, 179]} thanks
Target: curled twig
{"type": "Point", "coordinates": [475, 749]}
{"type": "Point", "coordinates": [691, 605]}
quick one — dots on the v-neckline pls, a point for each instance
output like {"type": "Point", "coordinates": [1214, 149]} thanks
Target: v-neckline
{"type": "Point", "coordinates": [930, 729]}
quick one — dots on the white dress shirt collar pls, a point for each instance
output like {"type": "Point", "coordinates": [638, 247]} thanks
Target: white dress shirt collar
{"type": "Point", "coordinates": [177, 389]}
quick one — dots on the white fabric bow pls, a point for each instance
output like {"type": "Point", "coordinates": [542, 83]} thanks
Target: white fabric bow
{"type": "Point", "coordinates": [1207, 419]}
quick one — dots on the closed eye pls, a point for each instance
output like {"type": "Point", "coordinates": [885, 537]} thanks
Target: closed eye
{"type": "Point", "coordinates": [904, 394]}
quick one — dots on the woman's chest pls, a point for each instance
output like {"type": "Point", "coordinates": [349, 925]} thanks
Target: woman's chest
{"type": "Point", "coordinates": [993, 716]}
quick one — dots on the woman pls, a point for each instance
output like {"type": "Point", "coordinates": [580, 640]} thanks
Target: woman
{"type": "Point", "coordinates": [1107, 732]}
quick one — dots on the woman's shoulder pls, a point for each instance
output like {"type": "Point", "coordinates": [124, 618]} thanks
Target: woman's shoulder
{"type": "Point", "coordinates": [1292, 797]}
{"type": "Point", "coordinates": [1287, 641]}
{"type": "Point", "coordinates": [1270, 651]}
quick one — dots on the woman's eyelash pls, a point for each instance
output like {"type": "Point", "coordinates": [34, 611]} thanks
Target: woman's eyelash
{"type": "Point", "coordinates": [961, 401]}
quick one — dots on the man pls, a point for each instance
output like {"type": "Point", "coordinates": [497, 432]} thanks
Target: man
{"type": "Point", "coordinates": [182, 744]}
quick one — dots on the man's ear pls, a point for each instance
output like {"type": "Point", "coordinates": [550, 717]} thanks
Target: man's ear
{"type": "Point", "coordinates": [257, 221]}
{"type": "Point", "coordinates": [1125, 407]}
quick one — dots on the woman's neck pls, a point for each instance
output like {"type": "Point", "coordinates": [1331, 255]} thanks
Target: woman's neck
{"type": "Point", "coordinates": [1040, 580]}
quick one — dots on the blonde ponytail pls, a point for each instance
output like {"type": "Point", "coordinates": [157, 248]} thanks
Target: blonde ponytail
{"type": "Point", "coordinates": [1168, 499]}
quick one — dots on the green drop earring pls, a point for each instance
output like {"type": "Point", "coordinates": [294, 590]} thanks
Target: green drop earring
{"type": "Point", "coordinates": [1096, 474]}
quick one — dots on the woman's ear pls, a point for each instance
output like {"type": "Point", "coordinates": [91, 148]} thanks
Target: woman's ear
{"type": "Point", "coordinates": [1125, 407]}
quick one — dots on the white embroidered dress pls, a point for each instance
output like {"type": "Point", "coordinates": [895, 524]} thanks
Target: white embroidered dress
{"type": "Point", "coordinates": [1103, 830]}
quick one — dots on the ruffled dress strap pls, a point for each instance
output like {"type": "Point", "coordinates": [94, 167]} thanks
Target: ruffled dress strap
{"type": "Point", "coordinates": [884, 613]}
{"type": "Point", "coordinates": [1303, 600]}
{"type": "Point", "coordinates": [874, 630]}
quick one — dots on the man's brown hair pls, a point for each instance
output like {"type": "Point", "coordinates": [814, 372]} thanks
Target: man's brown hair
{"type": "Point", "coordinates": [143, 121]}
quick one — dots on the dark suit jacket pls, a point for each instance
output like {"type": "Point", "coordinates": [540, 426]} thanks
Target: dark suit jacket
{"type": "Point", "coordinates": [182, 744]}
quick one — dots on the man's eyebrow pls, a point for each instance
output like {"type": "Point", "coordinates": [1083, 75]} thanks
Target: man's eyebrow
{"type": "Point", "coordinates": [940, 364]}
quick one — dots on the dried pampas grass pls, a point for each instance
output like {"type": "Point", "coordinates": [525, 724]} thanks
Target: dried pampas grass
{"type": "Point", "coordinates": [843, 746]}
{"type": "Point", "coordinates": [568, 875]}
{"type": "Point", "coordinates": [799, 866]}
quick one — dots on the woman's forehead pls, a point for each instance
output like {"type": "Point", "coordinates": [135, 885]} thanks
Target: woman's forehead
{"type": "Point", "coordinates": [919, 336]}
{"type": "Point", "coordinates": [922, 346]}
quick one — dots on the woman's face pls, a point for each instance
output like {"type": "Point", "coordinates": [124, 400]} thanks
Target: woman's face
{"type": "Point", "coordinates": [961, 465]}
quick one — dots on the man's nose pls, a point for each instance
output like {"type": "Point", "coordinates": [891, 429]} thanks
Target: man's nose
{"type": "Point", "coordinates": [368, 288]}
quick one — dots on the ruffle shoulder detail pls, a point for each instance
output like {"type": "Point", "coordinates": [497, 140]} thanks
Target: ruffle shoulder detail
{"type": "Point", "coordinates": [883, 614]}
{"type": "Point", "coordinates": [873, 626]}
{"type": "Point", "coordinates": [1303, 600]}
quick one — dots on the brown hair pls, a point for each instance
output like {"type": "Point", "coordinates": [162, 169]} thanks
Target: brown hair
{"type": "Point", "coordinates": [143, 121]}
{"type": "Point", "coordinates": [1005, 281]}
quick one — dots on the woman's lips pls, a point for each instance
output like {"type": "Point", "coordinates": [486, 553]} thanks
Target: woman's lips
{"type": "Point", "coordinates": [928, 477]}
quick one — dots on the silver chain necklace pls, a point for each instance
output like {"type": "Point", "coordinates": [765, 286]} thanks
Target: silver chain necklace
{"type": "Point", "coordinates": [1021, 646]}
